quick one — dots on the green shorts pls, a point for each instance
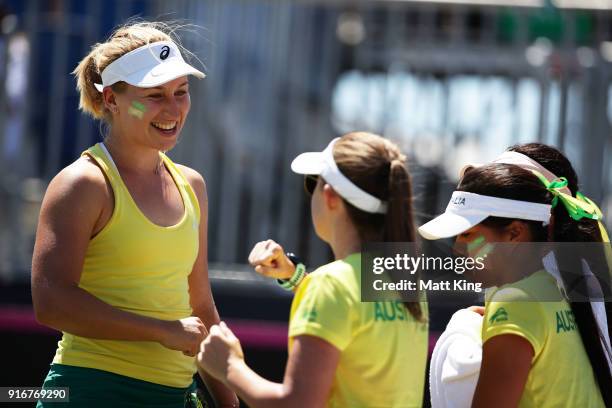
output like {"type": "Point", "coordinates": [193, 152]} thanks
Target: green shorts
{"type": "Point", "coordinates": [91, 388]}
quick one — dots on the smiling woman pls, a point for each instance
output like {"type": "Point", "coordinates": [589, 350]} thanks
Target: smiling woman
{"type": "Point", "coordinates": [120, 261]}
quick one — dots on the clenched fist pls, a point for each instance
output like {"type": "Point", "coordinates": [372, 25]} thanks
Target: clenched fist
{"type": "Point", "coordinates": [219, 350]}
{"type": "Point", "coordinates": [269, 259]}
{"type": "Point", "coordinates": [184, 335]}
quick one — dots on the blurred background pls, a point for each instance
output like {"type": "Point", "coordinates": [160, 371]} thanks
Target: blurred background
{"type": "Point", "coordinates": [452, 82]}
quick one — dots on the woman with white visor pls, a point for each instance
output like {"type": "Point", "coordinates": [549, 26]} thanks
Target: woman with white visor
{"type": "Point", "coordinates": [342, 352]}
{"type": "Point", "coordinates": [528, 358]}
{"type": "Point", "coordinates": [551, 163]}
{"type": "Point", "coordinates": [120, 262]}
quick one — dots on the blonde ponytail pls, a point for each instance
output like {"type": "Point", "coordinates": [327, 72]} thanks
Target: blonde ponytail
{"type": "Point", "coordinates": [87, 74]}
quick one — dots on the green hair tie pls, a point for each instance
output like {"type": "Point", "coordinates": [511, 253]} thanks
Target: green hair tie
{"type": "Point", "coordinates": [577, 208]}
{"type": "Point", "coordinates": [602, 228]}
{"type": "Point", "coordinates": [587, 200]}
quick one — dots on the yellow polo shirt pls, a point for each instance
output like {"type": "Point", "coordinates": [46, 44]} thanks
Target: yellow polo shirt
{"type": "Point", "coordinates": [533, 308]}
{"type": "Point", "coordinates": [383, 348]}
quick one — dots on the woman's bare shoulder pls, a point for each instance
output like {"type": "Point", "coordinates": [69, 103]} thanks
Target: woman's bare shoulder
{"type": "Point", "coordinates": [81, 182]}
{"type": "Point", "coordinates": [195, 179]}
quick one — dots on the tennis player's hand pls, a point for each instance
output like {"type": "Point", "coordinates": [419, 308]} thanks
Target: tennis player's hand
{"type": "Point", "coordinates": [184, 335]}
{"type": "Point", "coordinates": [269, 259]}
{"type": "Point", "coordinates": [220, 349]}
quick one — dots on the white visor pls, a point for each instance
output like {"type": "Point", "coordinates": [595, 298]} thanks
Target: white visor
{"type": "Point", "coordinates": [323, 164]}
{"type": "Point", "coordinates": [151, 65]}
{"type": "Point", "coordinates": [466, 210]}
{"type": "Point", "coordinates": [524, 162]}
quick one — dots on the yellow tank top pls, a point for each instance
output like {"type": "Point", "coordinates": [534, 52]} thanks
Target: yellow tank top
{"type": "Point", "coordinates": [140, 267]}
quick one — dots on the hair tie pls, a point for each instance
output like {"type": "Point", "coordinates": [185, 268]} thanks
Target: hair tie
{"type": "Point", "coordinates": [576, 208]}
{"type": "Point", "coordinates": [587, 200]}
{"type": "Point", "coordinates": [602, 228]}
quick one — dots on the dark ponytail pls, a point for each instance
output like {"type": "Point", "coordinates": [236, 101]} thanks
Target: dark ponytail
{"type": "Point", "coordinates": [568, 230]}
{"type": "Point", "coordinates": [377, 166]}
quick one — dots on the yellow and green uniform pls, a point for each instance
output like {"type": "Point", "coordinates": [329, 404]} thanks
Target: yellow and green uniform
{"type": "Point", "coordinates": [383, 349]}
{"type": "Point", "coordinates": [142, 268]}
{"type": "Point", "coordinates": [533, 308]}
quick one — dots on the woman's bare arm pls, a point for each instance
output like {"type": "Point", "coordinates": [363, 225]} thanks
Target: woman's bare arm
{"type": "Point", "coordinates": [308, 377]}
{"type": "Point", "coordinates": [506, 361]}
